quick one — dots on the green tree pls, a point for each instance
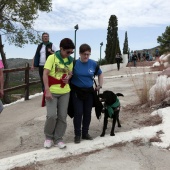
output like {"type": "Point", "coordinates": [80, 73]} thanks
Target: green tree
{"type": "Point", "coordinates": [117, 46]}
{"type": "Point", "coordinates": [164, 41]}
{"type": "Point", "coordinates": [16, 23]}
{"type": "Point", "coordinates": [112, 40]}
{"type": "Point", "coordinates": [125, 45]}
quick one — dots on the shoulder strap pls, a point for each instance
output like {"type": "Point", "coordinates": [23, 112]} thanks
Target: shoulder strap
{"type": "Point", "coordinates": [95, 73]}
{"type": "Point", "coordinates": [96, 70]}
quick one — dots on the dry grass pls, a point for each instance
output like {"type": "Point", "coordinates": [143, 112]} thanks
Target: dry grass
{"type": "Point", "coordinates": [142, 86]}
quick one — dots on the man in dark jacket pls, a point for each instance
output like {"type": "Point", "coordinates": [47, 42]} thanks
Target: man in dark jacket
{"type": "Point", "coordinates": [134, 58]}
{"type": "Point", "coordinates": [44, 49]}
{"type": "Point", "coordinates": [118, 60]}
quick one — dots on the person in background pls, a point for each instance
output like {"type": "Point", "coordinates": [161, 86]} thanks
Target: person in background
{"type": "Point", "coordinates": [139, 56]}
{"type": "Point", "coordinates": [1, 79]}
{"type": "Point", "coordinates": [147, 55]}
{"type": "Point", "coordinates": [144, 56]}
{"type": "Point", "coordinates": [157, 54]}
{"type": "Point", "coordinates": [134, 58]}
{"type": "Point", "coordinates": [130, 56]}
{"type": "Point", "coordinates": [82, 92]}
{"type": "Point", "coordinates": [118, 60]}
{"type": "Point", "coordinates": [44, 49]}
{"type": "Point", "coordinates": [57, 72]}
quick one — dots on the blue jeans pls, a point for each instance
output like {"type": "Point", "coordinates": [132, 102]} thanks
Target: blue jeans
{"type": "Point", "coordinates": [82, 113]}
{"type": "Point", "coordinates": [134, 62]}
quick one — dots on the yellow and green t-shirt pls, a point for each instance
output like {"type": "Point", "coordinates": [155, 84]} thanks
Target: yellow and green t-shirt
{"type": "Point", "coordinates": [59, 66]}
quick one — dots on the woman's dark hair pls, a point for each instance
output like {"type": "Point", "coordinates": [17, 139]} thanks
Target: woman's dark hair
{"type": "Point", "coordinates": [84, 47]}
{"type": "Point", "coordinates": [67, 43]}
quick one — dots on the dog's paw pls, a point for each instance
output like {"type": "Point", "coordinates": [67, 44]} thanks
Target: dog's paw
{"type": "Point", "coordinates": [112, 134]}
{"type": "Point", "coordinates": [102, 135]}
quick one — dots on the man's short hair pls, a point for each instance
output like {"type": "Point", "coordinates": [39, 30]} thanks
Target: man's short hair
{"type": "Point", "coordinates": [45, 33]}
{"type": "Point", "coordinates": [67, 43]}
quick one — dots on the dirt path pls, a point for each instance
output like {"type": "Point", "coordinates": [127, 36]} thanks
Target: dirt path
{"type": "Point", "coordinates": [21, 129]}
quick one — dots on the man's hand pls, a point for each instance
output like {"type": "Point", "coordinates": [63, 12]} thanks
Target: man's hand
{"type": "Point", "coordinates": [50, 50]}
{"type": "Point", "coordinates": [32, 68]}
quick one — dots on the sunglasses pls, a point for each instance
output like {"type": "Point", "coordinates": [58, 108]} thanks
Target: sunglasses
{"type": "Point", "coordinates": [69, 52]}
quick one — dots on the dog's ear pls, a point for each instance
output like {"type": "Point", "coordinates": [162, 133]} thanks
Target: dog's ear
{"type": "Point", "coordinates": [119, 94]}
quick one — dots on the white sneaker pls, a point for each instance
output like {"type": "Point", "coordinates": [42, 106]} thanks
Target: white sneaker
{"type": "Point", "coordinates": [61, 145]}
{"type": "Point", "coordinates": [47, 143]}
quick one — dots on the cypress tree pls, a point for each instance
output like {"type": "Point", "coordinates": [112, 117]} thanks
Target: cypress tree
{"type": "Point", "coordinates": [112, 40]}
{"type": "Point", "coordinates": [125, 46]}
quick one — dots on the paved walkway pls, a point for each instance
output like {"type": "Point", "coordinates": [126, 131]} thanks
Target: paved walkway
{"type": "Point", "coordinates": [21, 131]}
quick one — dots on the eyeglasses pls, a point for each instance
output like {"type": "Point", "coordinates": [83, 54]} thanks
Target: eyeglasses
{"type": "Point", "coordinates": [86, 54]}
{"type": "Point", "coordinates": [69, 52]}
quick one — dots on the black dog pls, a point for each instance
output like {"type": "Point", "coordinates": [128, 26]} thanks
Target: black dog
{"type": "Point", "coordinates": [111, 109]}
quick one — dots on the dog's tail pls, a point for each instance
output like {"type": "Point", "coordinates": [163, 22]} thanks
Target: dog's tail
{"type": "Point", "coordinates": [119, 94]}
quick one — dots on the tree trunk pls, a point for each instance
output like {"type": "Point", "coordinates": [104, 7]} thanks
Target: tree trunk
{"type": "Point", "coordinates": [6, 76]}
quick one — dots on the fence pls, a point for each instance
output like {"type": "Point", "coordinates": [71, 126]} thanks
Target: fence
{"type": "Point", "coordinates": [26, 85]}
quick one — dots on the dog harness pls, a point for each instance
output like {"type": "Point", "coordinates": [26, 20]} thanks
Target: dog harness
{"type": "Point", "coordinates": [110, 107]}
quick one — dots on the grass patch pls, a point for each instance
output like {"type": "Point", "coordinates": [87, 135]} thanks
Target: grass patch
{"type": "Point", "coordinates": [142, 84]}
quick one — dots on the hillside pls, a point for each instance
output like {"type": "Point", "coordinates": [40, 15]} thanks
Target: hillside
{"type": "Point", "coordinates": [18, 62]}
{"type": "Point", "coordinates": [151, 50]}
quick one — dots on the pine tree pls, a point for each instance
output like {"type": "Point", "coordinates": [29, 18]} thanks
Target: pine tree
{"type": "Point", "coordinates": [125, 46]}
{"type": "Point", "coordinates": [164, 41]}
{"type": "Point", "coordinates": [112, 40]}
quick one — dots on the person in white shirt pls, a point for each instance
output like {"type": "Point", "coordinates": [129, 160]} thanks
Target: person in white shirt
{"type": "Point", "coordinates": [44, 49]}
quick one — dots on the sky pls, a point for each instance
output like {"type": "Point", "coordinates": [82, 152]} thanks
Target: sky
{"type": "Point", "coordinates": [144, 21]}
{"type": "Point", "coordinates": [144, 133]}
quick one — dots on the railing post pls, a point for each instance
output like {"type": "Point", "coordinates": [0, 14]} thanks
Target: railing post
{"type": "Point", "coordinates": [27, 81]}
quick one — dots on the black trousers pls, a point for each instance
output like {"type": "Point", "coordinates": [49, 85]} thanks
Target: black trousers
{"type": "Point", "coordinates": [41, 69]}
{"type": "Point", "coordinates": [82, 113]}
{"type": "Point", "coordinates": [118, 63]}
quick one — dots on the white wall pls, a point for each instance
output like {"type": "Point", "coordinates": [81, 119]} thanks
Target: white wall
{"type": "Point", "coordinates": [125, 59]}
{"type": "Point", "coordinates": [110, 67]}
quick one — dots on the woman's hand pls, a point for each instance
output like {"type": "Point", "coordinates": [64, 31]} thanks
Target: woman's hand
{"type": "Point", "coordinates": [66, 79]}
{"type": "Point", "coordinates": [48, 95]}
{"type": "Point", "coordinates": [98, 88]}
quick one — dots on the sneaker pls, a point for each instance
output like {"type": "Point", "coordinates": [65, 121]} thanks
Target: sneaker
{"type": "Point", "coordinates": [77, 139]}
{"type": "Point", "coordinates": [87, 137]}
{"type": "Point", "coordinates": [47, 143]}
{"type": "Point", "coordinates": [61, 145]}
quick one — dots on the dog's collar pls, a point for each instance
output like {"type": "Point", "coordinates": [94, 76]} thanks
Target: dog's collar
{"type": "Point", "coordinates": [110, 107]}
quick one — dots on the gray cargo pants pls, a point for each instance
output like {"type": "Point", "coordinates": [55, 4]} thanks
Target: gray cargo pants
{"type": "Point", "coordinates": [55, 125]}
